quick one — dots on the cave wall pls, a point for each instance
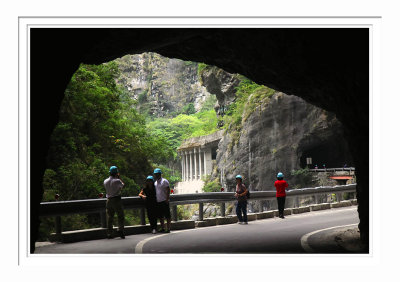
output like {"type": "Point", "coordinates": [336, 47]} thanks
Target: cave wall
{"type": "Point", "coordinates": [326, 67]}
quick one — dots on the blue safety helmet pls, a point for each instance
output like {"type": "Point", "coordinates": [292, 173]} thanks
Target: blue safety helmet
{"type": "Point", "coordinates": [113, 169]}
{"type": "Point", "coordinates": [150, 177]}
{"type": "Point", "coordinates": [157, 170]}
{"type": "Point", "coordinates": [280, 175]}
{"type": "Point", "coordinates": [239, 176]}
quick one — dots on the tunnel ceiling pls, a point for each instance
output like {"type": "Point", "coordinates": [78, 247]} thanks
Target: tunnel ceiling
{"type": "Point", "coordinates": [310, 63]}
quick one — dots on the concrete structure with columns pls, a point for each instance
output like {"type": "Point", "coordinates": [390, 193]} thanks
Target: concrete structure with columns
{"type": "Point", "coordinates": [196, 156]}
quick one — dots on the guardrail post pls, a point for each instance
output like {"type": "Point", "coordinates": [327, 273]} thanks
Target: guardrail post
{"type": "Point", "coordinates": [260, 206]}
{"type": "Point", "coordinates": [142, 216]}
{"type": "Point", "coordinates": [201, 211]}
{"type": "Point", "coordinates": [58, 224]}
{"type": "Point", "coordinates": [316, 200]}
{"type": "Point", "coordinates": [297, 202]}
{"type": "Point", "coordinates": [174, 213]}
{"type": "Point", "coordinates": [222, 209]}
{"type": "Point", "coordinates": [339, 197]}
{"type": "Point", "coordinates": [103, 219]}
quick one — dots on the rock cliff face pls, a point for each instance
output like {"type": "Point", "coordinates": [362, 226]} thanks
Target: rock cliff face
{"type": "Point", "coordinates": [161, 85]}
{"type": "Point", "coordinates": [222, 84]}
{"type": "Point", "coordinates": [278, 136]}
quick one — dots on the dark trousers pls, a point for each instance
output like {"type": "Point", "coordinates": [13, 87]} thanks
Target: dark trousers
{"type": "Point", "coordinates": [152, 215]}
{"type": "Point", "coordinates": [241, 207]}
{"type": "Point", "coordinates": [281, 205]}
{"type": "Point", "coordinates": [114, 205]}
{"type": "Point", "coordinates": [163, 210]}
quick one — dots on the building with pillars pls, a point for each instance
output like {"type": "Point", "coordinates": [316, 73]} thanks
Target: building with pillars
{"type": "Point", "coordinates": [196, 156]}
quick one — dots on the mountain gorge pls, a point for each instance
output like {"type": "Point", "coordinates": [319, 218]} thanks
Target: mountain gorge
{"type": "Point", "coordinates": [265, 131]}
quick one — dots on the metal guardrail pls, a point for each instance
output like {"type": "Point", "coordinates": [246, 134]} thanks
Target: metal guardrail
{"type": "Point", "coordinates": [60, 208]}
{"type": "Point", "coordinates": [349, 169]}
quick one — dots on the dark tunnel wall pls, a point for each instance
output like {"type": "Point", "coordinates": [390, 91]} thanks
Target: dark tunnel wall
{"type": "Point", "coordinates": [330, 149]}
{"type": "Point", "coordinates": [329, 154]}
{"type": "Point", "coordinates": [326, 67]}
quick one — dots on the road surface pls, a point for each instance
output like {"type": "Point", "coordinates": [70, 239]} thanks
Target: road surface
{"type": "Point", "coordinates": [295, 234]}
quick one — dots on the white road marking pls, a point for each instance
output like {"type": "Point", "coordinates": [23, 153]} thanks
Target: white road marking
{"type": "Point", "coordinates": [139, 246]}
{"type": "Point", "coordinates": [304, 238]}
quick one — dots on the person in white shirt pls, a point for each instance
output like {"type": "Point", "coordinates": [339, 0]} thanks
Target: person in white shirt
{"type": "Point", "coordinates": [113, 186]}
{"type": "Point", "coordinates": [162, 195]}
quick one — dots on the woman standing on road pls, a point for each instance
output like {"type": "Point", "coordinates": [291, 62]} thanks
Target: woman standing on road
{"type": "Point", "coordinates": [241, 195]}
{"type": "Point", "coordinates": [281, 186]}
{"type": "Point", "coordinates": [148, 193]}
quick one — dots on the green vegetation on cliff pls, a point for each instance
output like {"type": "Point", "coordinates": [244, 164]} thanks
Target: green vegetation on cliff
{"type": "Point", "coordinates": [249, 95]}
{"type": "Point", "coordinates": [174, 130]}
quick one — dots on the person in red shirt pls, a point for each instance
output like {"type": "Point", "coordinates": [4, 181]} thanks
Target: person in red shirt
{"type": "Point", "coordinates": [281, 186]}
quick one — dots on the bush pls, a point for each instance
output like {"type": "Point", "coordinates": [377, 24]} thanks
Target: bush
{"type": "Point", "coordinates": [185, 212]}
{"type": "Point", "coordinates": [189, 109]}
{"type": "Point", "coordinates": [211, 186]}
{"type": "Point", "coordinates": [142, 97]}
{"type": "Point", "coordinates": [200, 68]}
{"type": "Point", "coordinates": [301, 178]}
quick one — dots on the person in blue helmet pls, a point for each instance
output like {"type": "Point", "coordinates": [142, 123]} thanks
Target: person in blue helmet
{"type": "Point", "coordinates": [162, 196]}
{"type": "Point", "coordinates": [281, 186]}
{"type": "Point", "coordinates": [241, 195]}
{"type": "Point", "coordinates": [113, 186]}
{"type": "Point", "coordinates": [148, 193]}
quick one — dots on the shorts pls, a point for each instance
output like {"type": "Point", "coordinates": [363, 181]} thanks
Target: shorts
{"type": "Point", "coordinates": [163, 210]}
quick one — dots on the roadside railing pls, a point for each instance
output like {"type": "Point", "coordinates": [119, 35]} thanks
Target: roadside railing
{"type": "Point", "coordinates": [349, 169]}
{"type": "Point", "coordinates": [62, 208]}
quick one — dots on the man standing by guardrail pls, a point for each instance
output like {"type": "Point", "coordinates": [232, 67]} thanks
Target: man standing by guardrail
{"type": "Point", "coordinates": [162, 195]}
{"type": "Point", "coordinates": [113, 187]}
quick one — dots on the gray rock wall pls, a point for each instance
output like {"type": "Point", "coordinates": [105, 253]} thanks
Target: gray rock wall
{"type": "Point", "coordinates": [161, 85]}
{"type": "Point", "coordinates": [222, 84]}
{"type": "Point", "coordinates": [276, 138]}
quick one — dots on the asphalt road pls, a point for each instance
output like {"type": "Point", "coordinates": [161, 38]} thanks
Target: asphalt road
{"type": "Point", "coordinates": [268, 236]}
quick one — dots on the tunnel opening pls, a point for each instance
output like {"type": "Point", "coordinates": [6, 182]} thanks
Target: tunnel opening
{"type": "Point", "coordinates": [214, 153]}
{"type": "Point", "coordinates": [329, 86]}
{"type": "Point", "coordinates": [332, 153]}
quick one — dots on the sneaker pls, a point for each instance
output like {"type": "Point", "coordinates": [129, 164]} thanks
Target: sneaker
{"type": "Point", "coordinates": [121, 234]}
{"type": "Point", "coordinates": [245, 223]}
{"type": "Point", "coordinates": [154, 231]}
{"type": "Point", "coordinates": [240, 222]}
